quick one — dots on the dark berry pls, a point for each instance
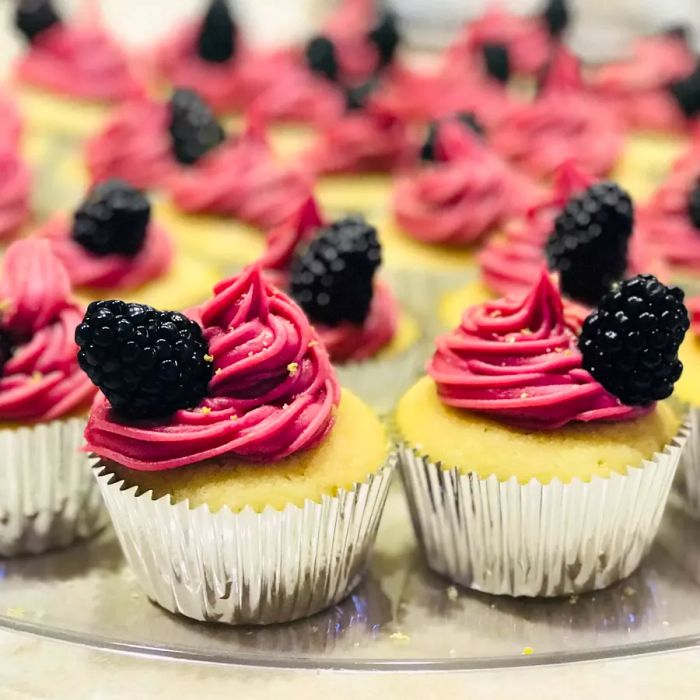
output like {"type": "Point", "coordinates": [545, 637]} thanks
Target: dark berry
{"type": "Point", "coordinates": [194, 130]}
{"type": "Point", "coordinates": [216, 42]}
{"type": "Point", "coordinates": [321, 57]}
{"type": "Point", "coordinates": [332, 280]}
{"type": "Point", "coordinates": [630, 343]}
{"type": "Point", "coordinates": [694, 204]}
{"type": "Point", "coordinates": [556, 17]}
{"type": "Point", "coordinates": [496, 61]}
{"type": "Point", "coordinates": [32, 17]}
{"type": "Point", "coordinates": [148, 363]}
{"type": "Point", "coordinates": [112, 219]}
{"type": "Point", "coordinates": [686, 92]}
{"type": "Point", "coordinates": [427, 151]}
{"type": "Point", "coordinates": [385, 36]}
{"type": "Point", "coordinates": [6, 349]}
{"type": "Point", "coordinates": [588, 246]}
{"type": "Point", "coordinates": [356, 97]}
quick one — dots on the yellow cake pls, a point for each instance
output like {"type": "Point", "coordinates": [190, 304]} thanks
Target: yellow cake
{"type": "Point", "coordinates": [336, 463]}
{"type": "Point", "coordinates": [688, 386]}
{"type": "Point", "coordinates": [453, 303]}
{"type": "Point", "coordinates": [365, 193]}
{"type": "Point", "coordinates": [473, 443]}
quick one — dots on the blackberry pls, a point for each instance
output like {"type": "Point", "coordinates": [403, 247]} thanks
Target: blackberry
{"type": "Point", "coordinates": [332, 280]}
{"type": "Point", "coordinates": [385, 37]}
{"type": "Point", "coordinates": [216, 42]}
{"type": "Point", "coordinates": [356, 97]}
{"type": "Point", "coordinates": [32, 17]}
{"type": "Point", "coordinates": [556, 17]}
{"type": "Point", "coordinates": [686, 92]}
{"type": "Point", "coordinates": [148, 363]}
{"type": "Point", "coordinates": [468, 119]}
{"type": "Point", "coordinates": [194, 130]}
{"type": "Point", "coordinates": [496, 61]}
{"type": "Point", "coordinates": [321, 58]}
{"type": "Point", "coordinates": [630, 343]}
{"type": "Point", "coordinates": [589, 243]}
{"type": "Point", "coordinates": [694, 204]}
{"type": "Point", "coordinates": [113, 219]}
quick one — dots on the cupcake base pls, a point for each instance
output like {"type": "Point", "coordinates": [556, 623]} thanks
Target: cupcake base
{"type": "Point", "coordinates": [354, 193]}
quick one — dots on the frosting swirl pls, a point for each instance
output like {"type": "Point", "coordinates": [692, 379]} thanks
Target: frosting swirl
{"type": "Point", "coordinates": [81, 61]}
{"type": "Point", "coordinates": [15, 191]}
{"type": "Point", "coordinates": [86, 269]}
{"type": "Point", "coordinates": [694, 312]}
{"type": "Point", "coordinates": [273, 392]}
{"type": "Point", "coordinates": [42, 380]}
{"type": "Point", "coordinates": [517, 360]}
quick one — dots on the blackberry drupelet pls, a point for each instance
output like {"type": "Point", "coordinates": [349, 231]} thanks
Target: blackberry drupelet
{"type": "Point", "coordinates": [556, 17]}
{"type": "Point", "coordinates": [32, 17]}
{"type": "Point", "coordinates": [321, 58]}
{"type": "Point", "coordinates": [630, 343]}
{"type": "Point", "coordinates": [468, 119]}
{"type": "Point", "coordinates": [686, 92]}
{"type": "Point", "coordinates": [112, 219]}
{"type": "Point", "coordinates": [148, 363]}
{"type": "Point", "coordinates": [385, 37]}
{"type": "Point", "coordinates": [694, 204]}
{"type": "Point", "coordinates": [216, 42]}
{"type": "Point", "coordinates": [588, 246]}
{"type": "Point", "coordinates": [194, 130]}
{"type": "Point", "coordinates": [332, 280]}
{"type": "Point", "coordinates": [496, 61]}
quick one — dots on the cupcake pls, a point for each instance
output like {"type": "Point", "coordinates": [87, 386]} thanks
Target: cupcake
{"type": "Point", "coordinates": [564, 122]}
{"type": "Point", "coordinates": [69, 74]}
{"type": "Point", "coordinates": [15, 192]}
{"type": "Point", "coordinates": [330, 270]}
{"type": "Point", "coordinates": [110, 246]}
{"type": "Point", "coordinates": [231, 468]}
{"type": "Point", "coordinates": [538, 454]}
{"type": "Point", "coordinates": [48, 497]}
{"type": "Point", "coordinates": [10, 122]}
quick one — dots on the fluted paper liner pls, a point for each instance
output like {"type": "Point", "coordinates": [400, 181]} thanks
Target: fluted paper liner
{"type": "Point", "coordinates": [689, 472]}
{"type": "Point", "coordinates": [247, 567]}
{"type": "Point", "coordinates": [537, 539]}
{"type": "Point", "coordinates": [48, 496]}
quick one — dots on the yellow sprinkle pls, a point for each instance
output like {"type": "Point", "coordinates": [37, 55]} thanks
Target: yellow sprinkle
{"type": "Point", "coordinates": [527, 651]}
{"type": "Point", "coordinates": [495, 313]}
{"type": "Point", "coordinates": [205, 409]}
{"type": "Point", "coordinates": [558, 350]}
{"type": "Point", "coordinates": [233, 417]}
{"type": "Point", "coordinates": [313, 343]}
{"type": "Point", "coordinates": [526, 331]}
{"type": "Point", "coordinates": [218, 370]}
{"type": "Point", "coordinates": [37, 376]}
{"type": "Point", "coordinates": [400, 637]}
{"type": "Point", "coordinates": [524, 395]}
{"type": "Point", "coordinates": [510, 339]}
{"type": "Point", "coordinates": [293, 368]}
{"type": "Point", "coordinates": [209, 358]}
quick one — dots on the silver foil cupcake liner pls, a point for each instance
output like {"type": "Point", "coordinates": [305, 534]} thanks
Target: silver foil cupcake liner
{"type": "Point", "coordinates": [247, 567]}
{"type": "Point", "coordinates": [535, 539]}
{"type": "Point", "coordinates": [48, 496]}
{"type": "Point", "coordinates": [689, 471]}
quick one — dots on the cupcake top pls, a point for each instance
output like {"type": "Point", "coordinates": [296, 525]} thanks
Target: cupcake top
{"type": "Point", "coordinates": [250, 380]}
{"type": "Point", "coordinates": [330, 271]}
{"type": "Point", "coordinates": [15, 192]}
{"type": "Point", "coordinates": [110, 242]}
{"type": "Point", "coordinates": [40, 378]}
{"type": "Point", "coordinates": [521, 360]}
{"type": "Point", "coordinates": [79, 60]}
{"type": "Point", "coordinates": [565, 122]}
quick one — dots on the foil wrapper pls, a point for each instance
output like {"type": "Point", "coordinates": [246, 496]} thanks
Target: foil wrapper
{"type": "Point", "coordinates": [48, 496]}
{"type": "Point", "coordinates": [689, 471]}
{"type": "Point", "coordinates": [535, 539]}
{"type": "Point", "coordinates": [247, 567]}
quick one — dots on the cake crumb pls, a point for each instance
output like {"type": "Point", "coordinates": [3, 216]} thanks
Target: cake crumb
{"type": "Point", "coordinates": [573, 599]}
{"type": "Point", "coordinates": [209, 358]}
{"type": "Point", "coordinates": [17, 611]}
{"type": "Point", "coordinates": [527, 651]}
{"type": "Point", "coordinates": [629, 591]}
{"type": "Point", "coordinates": [205, 410]}
{"type": "Point", "coordinates": [400, 637]}
{"type": "Point", "coordinates": [292, 368]}
{"type": "Point", "coordinates": [452, 593]}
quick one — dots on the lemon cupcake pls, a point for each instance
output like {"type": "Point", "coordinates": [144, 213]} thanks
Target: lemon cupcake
{"type": "Point", "coordinates": [229, 461]}
{"type": "Point", "coordinates": [536, 454]}
{"type": "Point", "coordinates": [48, 497]}
{"type": "Point", "coordinates": [110, 246]}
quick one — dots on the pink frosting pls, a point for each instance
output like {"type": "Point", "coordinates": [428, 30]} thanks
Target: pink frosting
{"type": "Point", "coordinates": [368, 140]}
{"type": "Point", "coordinates": [693, 306]}
{"type": "Point", "coordinates": [42, 380]}
{"type": "Point", "coordinates": [86, 269]}
{"type": "Point", "coordinates": [346, 341]}
{"type": "Point", "coordinates": [134, 145]}
{"type": "Point", "coordinates": [464, 196]}
{"type": "Point", "coordinates": [80, 61]}
{"type": "Point", "coordinates": [15, 191]}
{"type": "Point", "coordinates": [241, 179]}
{"type": "Point", "coordinates": [638, 86]}
{"type": "Point", "coordinates": [10, 123]}
{"type": "Point", "coordinates": [273, 392]}
{"type": "Point", "coordinates": [517, 360]}
{"type": "Point", "coordinates": [564, 123]}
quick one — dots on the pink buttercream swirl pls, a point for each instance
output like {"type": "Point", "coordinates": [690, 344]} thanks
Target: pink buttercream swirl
{"type": "Point", "coordinates": [113, 271]}
{"type": "Point", "coordinates": [517, 360]}
{"type": "Point", "coordinates": [637, 87]}
{"type": "Point", "coordinates": [462, 197]}
{"type": "Point", "coordinates": [565, 122]}
{"type": "Point", "coordinates": [42, 380]}
{"type": "Point", "coordinates": [80, 61]}
{"type": "Point", "coordinates": [15, 193]}
{"type": "Point", "coordinates": [347, 341]}
{"type": "Point", "coordinates": [693, 306]}
{"type": "Point", "coordinates": [273, 392]}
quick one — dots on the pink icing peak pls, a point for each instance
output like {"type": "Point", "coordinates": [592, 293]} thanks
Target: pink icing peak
{"type": "Point", "coordinates": [273, 392]}
{"type": "Point", "coordinates": [564, 72]}
{"type": "Point", "coordinates": [15, 191]}
{"type": "Point", "coordinates": [517, 360]}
